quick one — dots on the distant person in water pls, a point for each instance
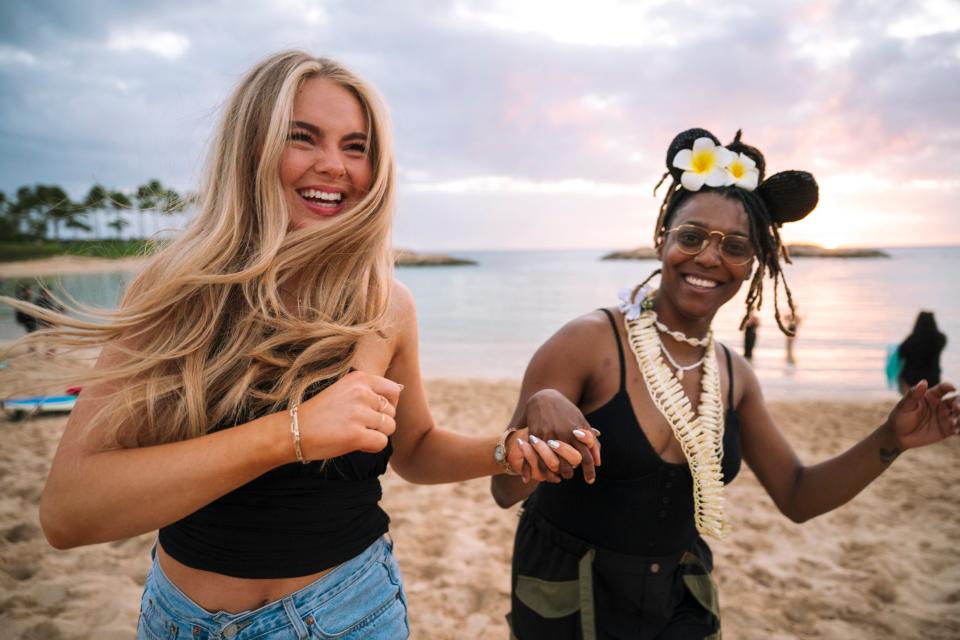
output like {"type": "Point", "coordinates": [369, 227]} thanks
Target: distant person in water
{"type": "Point", "coordinates": [750, 335]}
{"type": "Point", "coordinates": [920, 352]}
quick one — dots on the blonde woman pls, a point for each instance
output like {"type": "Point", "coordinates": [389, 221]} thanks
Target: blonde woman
{"type": "Point", "coordinates": [258, 376]}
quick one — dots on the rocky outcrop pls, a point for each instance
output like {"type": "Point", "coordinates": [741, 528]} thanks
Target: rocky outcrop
{"type": "Point", "coordinates": [816, 251]}
{"type": "Point", "coordinates": [406, 258]}
{"type": "Point", "coordinates": [640, 253]}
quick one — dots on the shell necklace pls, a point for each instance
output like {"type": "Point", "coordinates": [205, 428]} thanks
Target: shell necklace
{"type": "Point", "coordinates": [700, 435]}
{"type": "Point", "coordinates": [679, 336]}
{"type": "Point", "coordinates": [680, 369]}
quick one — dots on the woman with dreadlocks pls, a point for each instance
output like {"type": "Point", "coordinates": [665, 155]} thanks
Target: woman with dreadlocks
{"type": "Point", "coordinates": [618, 552]}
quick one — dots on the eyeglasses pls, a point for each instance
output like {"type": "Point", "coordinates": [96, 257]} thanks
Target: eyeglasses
{"type": "Point", "coordinates": [735, 249]}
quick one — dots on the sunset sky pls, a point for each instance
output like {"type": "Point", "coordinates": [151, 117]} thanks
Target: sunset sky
{"type": "Point", "coordinates": [519, 124]}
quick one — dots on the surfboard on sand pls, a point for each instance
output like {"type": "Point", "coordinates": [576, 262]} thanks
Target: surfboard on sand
{"type": "Point", "coordinates": [20, 407]}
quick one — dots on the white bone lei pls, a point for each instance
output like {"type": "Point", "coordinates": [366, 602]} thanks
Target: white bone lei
{"type": "Point", "coordinates": [700, 436]}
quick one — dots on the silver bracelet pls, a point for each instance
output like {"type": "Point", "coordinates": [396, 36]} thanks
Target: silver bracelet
{"type": "Point", "coordinates": [295, 430]}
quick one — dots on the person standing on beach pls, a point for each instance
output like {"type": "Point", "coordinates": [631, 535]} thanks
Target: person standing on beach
{"type": "Point", "coordinates": [258, 376]}
{"type": "Point", "coordinates": [623, 555]}
{"type": "Point", "coordinates": [750, 335]}
{"type": "Point", "coordinates": [920, 352]}
{"type": "Point", "coordinates": [45, 301]}
{"type": "Point", "coordinates": [793, 321]}
{"type": "Point", "coordinates": [24, 319]}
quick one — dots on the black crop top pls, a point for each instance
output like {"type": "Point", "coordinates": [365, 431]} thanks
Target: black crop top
{"type": "Point", "coordinates": [292, 521]}
{"type": "Point", "coordinates": [639, 504]}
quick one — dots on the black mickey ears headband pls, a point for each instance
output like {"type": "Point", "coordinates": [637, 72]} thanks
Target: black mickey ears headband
{"type": "Point", "coordinates": [696, 159]}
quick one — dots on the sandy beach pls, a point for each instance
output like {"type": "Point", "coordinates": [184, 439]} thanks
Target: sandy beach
{"type": "Point", "coordinates": [62, 265]}
{"type": "Point", "coordinates": [72, 265]}
{"type": "Point", "coordinates": [886, 565]}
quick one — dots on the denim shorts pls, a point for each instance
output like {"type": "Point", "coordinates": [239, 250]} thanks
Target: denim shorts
{"type": "Point", "coordinates": [361, 598]}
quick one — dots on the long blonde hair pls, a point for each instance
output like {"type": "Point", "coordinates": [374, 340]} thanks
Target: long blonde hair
{"type": "Point", "coordinates": [205, 337]}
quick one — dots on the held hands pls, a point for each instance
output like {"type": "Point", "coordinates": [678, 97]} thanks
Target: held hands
{"type": "Point", "coordinates": [556, 440]}
{"type": "Point", "coordinates": [356, 413]}
{"type": "Point", "coordinates": [925, 416]}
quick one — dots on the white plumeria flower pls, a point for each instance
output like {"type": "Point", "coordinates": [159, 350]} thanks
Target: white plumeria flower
{"type": "Point", "coordinates": [706, 164]}
{"type": "Point", "coordinates": [742, 172]}
{"type": "Point", "coordinates": [631, 308]}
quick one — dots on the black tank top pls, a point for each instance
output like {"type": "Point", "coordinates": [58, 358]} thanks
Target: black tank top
{"type": "Point", "coordinates": [639, 504]}
{"type": "Point", "coordinates": [292, 521]}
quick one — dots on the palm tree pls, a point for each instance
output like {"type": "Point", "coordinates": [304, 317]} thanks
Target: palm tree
{"type": "Point", "coordinates": [150, 196]}
{"type": "Point", "coordinates": [119, 202]}
{"type": "Point", "coordinates": [176, 203]}
{"type": "Point", "coordinates": [26, 213]}
{"type": "Point", "coordinates": [8, 224]}
{"type": "Point", "coordinates": [55, 206]}
{"type": "Point", "coordinates": [95, 202]}
{"type": "Point", "coordinates": [74, 222]}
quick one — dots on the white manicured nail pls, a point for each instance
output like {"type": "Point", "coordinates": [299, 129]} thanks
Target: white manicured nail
{"type": "Point", "coordinates": [553, 444]}
{"type": "Point", "coordinates": [521, 442]}
{"type": "Point", "coordinates": [579, 433]}
{"type": "Point", "coordinates": [533, 439]}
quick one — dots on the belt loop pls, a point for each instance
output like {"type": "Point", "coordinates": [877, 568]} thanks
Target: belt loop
{"type": "Point", "coordinates": [298, 626]}
{"type": "Point", "coordinates": [587, 620]}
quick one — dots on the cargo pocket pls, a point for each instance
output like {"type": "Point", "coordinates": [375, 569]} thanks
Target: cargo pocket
{"type": "Point", "coordinates": [702, 587]}
{"type": "Point", "coordinates": [552, 599]}
{"type": "Point", "coordinates": [548, 598]}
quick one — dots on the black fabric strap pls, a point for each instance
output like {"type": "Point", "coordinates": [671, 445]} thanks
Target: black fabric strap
{"type": "Point", "coordinates": [729, 377]}
{"type": "Point", "coordinates": [616, 336]}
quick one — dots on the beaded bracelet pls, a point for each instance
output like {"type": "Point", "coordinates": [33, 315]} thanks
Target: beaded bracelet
{"type": "Point", "coordinates": [295, 430]}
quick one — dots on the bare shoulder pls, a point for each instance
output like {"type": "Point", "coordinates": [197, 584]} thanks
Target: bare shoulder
{"type": "Point", "coordinates": [402, 309]}
{"type": "Point", "coordinates": [588, 328]}
{"type": "Point", "coordinates": [569, 358]}
{"type": "Point", "coordinates": [401, 299]}
{"type": "Point", "coordinates": [574, 345]}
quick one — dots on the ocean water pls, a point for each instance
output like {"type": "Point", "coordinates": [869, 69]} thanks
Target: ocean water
{"type": "Point", "coordinates": [487, 321]}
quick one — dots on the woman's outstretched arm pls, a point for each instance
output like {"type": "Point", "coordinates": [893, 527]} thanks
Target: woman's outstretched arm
{"type": "Point", "coordinates": [802, 492]}
{"type": "Point", "coordinates": [426, 454]}
{"type": "Point", "coordinates": [559, 371]}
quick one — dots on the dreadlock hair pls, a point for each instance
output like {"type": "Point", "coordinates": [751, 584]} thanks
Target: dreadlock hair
{"type": "Point", "coordinates": [764, 232]}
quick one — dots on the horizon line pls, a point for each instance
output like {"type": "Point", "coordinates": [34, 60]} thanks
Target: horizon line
{"type": "Point", "coordinates": [531, 249]}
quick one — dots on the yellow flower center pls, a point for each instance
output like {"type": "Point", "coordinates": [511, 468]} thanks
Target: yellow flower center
{"type": "Point", "coordinates": [737, 170]}
{"type": "Point", "coordinates": [702, 161]}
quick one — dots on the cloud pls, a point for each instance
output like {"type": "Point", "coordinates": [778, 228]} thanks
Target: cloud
{"type": "Point", "coordinates": [930, 17]}
{"type": "Point", "coordinates": [548, 110]}
{"type": "Point", "coordinates": [166, 44]}
{"type": "Point", "coordinates": [310, 12]}
{"type": "Point", "coordinates": [509, 184]}
{"type": "Point", "coordinates": [601, 23]}
{"type": "Point", "coordinates": [13, 55]}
